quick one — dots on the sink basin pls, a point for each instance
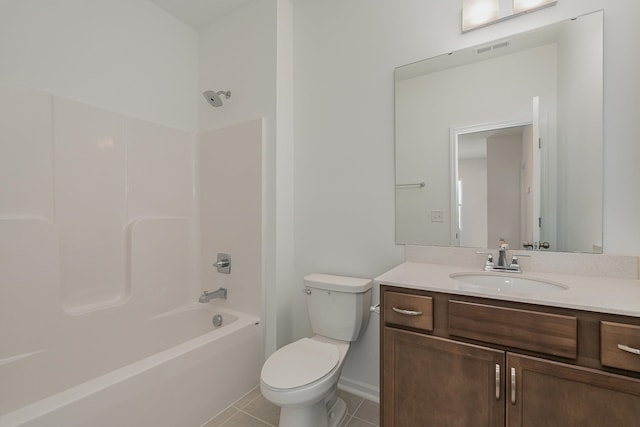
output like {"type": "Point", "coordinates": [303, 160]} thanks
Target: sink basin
{"type": "Point", "coordinates": [497, 282]}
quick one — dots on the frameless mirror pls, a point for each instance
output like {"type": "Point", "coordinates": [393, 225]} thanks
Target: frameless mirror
{"type": "Point", "coordinates": [504, 141]}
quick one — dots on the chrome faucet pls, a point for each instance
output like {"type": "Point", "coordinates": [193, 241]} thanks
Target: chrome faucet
{"type": "Point", "coordinates": [502, 254]}
{"type": "Point", "coordinates": [209, 295]}
{"type": "Point", "coordinates": [502, 265]}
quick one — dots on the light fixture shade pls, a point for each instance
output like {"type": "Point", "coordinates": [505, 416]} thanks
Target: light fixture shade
{"type": "Point", "coordinates": [476, 13]}
{"type": "Point", "coordinates": [521, 6]}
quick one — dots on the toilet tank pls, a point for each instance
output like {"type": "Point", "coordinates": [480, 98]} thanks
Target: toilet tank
{"type": "Point", "coordinates": [338, 305]}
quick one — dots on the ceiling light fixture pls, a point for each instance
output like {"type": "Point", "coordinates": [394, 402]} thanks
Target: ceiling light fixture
{"type": "Point", "coordinates": [476, 13]}
{"type": "Point", "coordinates": [523, 6]}
{"type": "Point", "coordinates": [479, 13]}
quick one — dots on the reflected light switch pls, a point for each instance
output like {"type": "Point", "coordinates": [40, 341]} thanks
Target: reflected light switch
{"type": "Point", "coordinates": [437, 216]}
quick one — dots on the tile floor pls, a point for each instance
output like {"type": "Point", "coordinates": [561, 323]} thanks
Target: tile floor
{"type": "Point", "coordinates": [253, 410]}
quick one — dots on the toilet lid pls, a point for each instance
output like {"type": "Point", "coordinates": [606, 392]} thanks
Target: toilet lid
{"type": "Point", "coordinates": [299, 363]}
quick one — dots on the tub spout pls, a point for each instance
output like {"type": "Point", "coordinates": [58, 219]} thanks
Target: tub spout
{"type": "Point", "coordinates": [209, 295]}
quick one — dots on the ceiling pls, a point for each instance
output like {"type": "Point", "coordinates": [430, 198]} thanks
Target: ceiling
{"type": "Point", "coordinates": [199, 14]}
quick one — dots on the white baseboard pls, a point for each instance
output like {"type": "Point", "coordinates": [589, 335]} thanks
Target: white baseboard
{"type": "Point", "coordinates": [361, 389]}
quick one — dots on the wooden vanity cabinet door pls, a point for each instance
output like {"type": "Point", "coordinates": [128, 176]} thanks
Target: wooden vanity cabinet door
{"type": "Point", "coordinates": [431, 381]}
{"type": "Point", "coordinates": [549, 393]}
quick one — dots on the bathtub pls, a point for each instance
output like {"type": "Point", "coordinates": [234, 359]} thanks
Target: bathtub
{"type": "Point", "coordinates": [173, 369]}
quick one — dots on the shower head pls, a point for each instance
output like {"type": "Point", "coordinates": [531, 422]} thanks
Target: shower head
{"type": "Point", "coordinates": [214, 98]}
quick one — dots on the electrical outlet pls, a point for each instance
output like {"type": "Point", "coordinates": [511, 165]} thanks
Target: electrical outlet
{"type": "Point", "coordinates": [437, 216]}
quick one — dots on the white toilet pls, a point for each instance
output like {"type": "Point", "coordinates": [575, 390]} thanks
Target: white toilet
{"type": "Point", "coordinates": [302, 377]}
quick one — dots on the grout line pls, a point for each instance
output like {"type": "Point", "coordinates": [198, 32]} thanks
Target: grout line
{"type": "Point", "coordinates": [348, 418]}
{"type": "Point", "coordinates": [360, 419]}
{"type": "Point", "coordinates": [256, 418]}
{"type": "Point", "coordinates": [358, 407]}
{"type": "Point", "coordinates": [247, 403]}
{"type": "Point", "coordinates": [225, 421]}
{"type": "Point", "coordinates": [364, 421]}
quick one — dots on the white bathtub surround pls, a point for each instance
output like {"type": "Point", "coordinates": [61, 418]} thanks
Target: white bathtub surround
{"type": "Point", "coordinates": [96, 176]}
{"type": "Point", "coordinates": [99, 256]}
{"type": "Point", "coordinates": [230, 209]}
{"type": "Point", "coordinates": [180, 370]}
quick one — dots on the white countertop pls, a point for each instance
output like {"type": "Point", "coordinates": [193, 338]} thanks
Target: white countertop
{"type": "Point", "coordinates": [599, 294]}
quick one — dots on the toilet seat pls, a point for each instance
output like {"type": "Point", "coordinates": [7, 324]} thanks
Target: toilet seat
{"type": "Point", "coordinates": [299, 364]}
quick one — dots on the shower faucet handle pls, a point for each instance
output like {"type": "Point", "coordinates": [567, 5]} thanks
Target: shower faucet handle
{"type": "Point", "coordinates": [223, 264]}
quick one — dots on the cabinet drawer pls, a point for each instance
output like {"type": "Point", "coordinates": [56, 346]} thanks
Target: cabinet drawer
{"type": "Point", "coordinates": [528, 330]}
{"type": "Point", "coordinates": [620, 346]}
{"type": "Point", "coordinates": [415, 311]}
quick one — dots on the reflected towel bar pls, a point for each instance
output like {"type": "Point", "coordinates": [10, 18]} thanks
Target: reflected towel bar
{"type": "Point", "coordinates": [417, 184]}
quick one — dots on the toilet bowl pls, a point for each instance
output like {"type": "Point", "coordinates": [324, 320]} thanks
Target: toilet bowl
{"type": "Point", "coordinates": [302, 377]}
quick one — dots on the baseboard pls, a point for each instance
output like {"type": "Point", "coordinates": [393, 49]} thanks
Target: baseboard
{"type": "Point", "coordinates": [361, 389]}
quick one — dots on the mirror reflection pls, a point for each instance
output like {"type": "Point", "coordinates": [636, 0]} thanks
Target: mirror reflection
{"type": "Point", "coordinates": [503, 141]}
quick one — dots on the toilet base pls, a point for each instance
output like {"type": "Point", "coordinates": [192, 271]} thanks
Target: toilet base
{"type": "Point", "coordinates": [316, 415]}
{"type": "Point", "coordinates": [337, 413]}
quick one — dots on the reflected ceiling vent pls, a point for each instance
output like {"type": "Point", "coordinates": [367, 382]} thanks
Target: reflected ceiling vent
{"type": "Point", "coordinates": [492, 47]}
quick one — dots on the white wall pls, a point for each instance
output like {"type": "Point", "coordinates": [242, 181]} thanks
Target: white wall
{"type": "Point", "coordinates": [579, 147]}
{"type": "Point", "coordinates": [124, 56]}
{"type": "Point", "coordinates": [238, 53]}
{"type": "Point", "coordinates": [473, 174]}
{"type": "Point", "coordinates": [344, 55]}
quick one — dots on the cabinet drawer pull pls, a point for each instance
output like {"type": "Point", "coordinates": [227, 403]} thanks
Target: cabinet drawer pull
{"type": "Point", "coordinates": [513, 386]}
{"type": "Point", "coordinates": [629, 349]}
{"type": "Point", "coordinates": [407, 312]}
{"type": "Point", "coordinates": [497, 382]}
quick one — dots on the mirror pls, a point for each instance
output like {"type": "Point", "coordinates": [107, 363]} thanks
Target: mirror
{"type": "Point", "coordinates": [504, 141]}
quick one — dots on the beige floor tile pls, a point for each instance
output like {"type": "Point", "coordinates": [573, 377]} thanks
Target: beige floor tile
{"type": "Point", "coordinates": [356, 422]}
{"type": "Point", "coordinates": [263, 409]}
{"type": "Point", "coordinates": [253, 410]}
{"type": "Point", "coordinates": [223, 416]}
{"type": "Point", "coordinates": [369, 411]}
{"type": "Point", "coordinates": [240, 419]}
{"type": "Point", "coordinates": [352, 401]}
{"type": "Point", "coordinates": [247, 398]}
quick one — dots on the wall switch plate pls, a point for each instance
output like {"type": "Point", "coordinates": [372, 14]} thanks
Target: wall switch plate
{"type": "Point", "coordinates": [437, 216]}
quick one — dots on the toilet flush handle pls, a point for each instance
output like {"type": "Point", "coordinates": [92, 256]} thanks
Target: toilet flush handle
{"type": "Point", "coordinates": [306, 291]}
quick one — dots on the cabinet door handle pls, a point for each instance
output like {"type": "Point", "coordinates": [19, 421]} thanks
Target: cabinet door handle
{"type": "Point", "coordinates": [629, 349]}
{"type": "Point", "coordinates": [407, 312]}
{"type": "Point", "coordinates": [497, 382]}
{"type": "Point", "coordinates": [513, 386]}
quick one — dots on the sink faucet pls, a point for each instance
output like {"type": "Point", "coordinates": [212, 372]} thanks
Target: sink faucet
{"type": "Point", "coordinates": [502, 253]}
{"type": "Point", "coordinates": [209, 295]}
{"type": "Point", "coordinates": [502, 264]}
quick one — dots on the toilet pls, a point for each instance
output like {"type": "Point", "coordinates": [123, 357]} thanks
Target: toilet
{"type": "Point", "coordinates": [302, 377]}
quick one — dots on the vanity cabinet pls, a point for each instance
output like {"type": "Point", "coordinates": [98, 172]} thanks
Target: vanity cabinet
{"type": "Point", "coordinates": [458, 360]}
{"type": "Point", "coordinates": [432, 381]}
{"type": "Point", "coordinates": [548, 393]}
